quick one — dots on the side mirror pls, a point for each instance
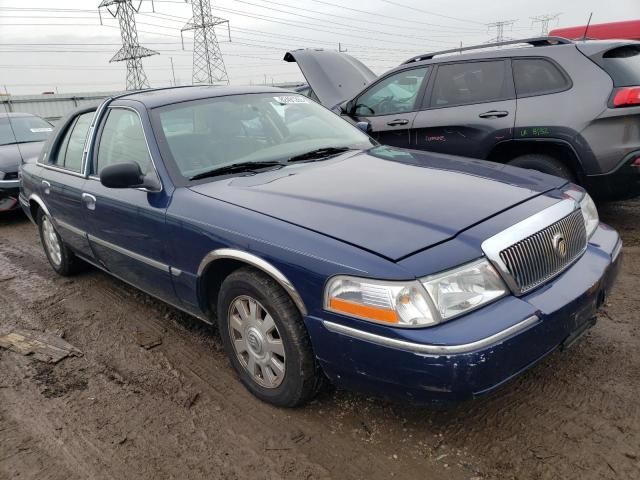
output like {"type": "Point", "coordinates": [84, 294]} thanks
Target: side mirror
{"type": "Point", "coordinates": [347, 107]}
{"type": "Point", "coordinates": [127, 175]}
{"type": "Point", "coordinates": [365, 127]}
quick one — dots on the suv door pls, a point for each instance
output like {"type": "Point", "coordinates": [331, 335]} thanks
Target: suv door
{"type": "Point", "coordinates": [63, 180]}
{"type": "Point", "coordinates": [390, 105]}
{"type": "Point", "coordinates": [127, 226]}
{"type": "Point", "coordinates": [470, 107]}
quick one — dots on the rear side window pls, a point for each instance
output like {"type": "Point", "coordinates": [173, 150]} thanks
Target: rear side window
{"type": "Point", "coordinates": [623, 65]}
{"type": "Point", "coordinates": [72, 146]}
{"type": "Point", "coordinates": [470, 82]}
{"type": "Point", "coordinates": [537, 76]}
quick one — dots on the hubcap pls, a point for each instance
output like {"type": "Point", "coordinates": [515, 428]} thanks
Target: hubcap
{"type": "Point", "coordinates": [51, 242]}
{"type": "Point", "coordinates": [256, 341]}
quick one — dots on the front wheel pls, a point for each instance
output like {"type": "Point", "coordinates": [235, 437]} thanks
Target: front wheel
{"type": "Point", "coordinates": [544, 164]}
{"type": "Point", "coordinates": [265, 339]}
{"type": "Point", "coordinates": [61, 258]}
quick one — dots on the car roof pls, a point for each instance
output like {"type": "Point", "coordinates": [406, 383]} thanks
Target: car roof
{"type": "Point", "coordinates": [154, 98]}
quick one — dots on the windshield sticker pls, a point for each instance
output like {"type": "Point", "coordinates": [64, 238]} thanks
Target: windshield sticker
{"type": "Point", "coordinates": [41, 130]}
{"type": "Point", "coordinates": [291, 99]}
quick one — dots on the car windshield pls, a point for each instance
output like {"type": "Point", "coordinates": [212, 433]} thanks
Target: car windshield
{"type": "Point", "coordinates": [217, 132]}
{"type": "Point", "coordinates": [23, 130]}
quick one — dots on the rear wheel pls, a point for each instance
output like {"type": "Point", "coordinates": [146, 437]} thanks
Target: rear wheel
{"type": "Point", "coordinates": [61, 258]}
{"type": "Point", "coordinates": [544, 164]}
{"type": "Point", "coordinates": [265, 339]}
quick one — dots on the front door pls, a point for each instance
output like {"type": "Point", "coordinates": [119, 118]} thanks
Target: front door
{"type": "Point", "coordinates": [471, 107]}
{"type": "Point", "coordinates": [390, 104]}
{"type": "Point", "coordinates": [127, 226]}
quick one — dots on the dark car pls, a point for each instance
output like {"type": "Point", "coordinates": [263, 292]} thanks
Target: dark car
{"type": "Point", "coordinates": [570, 109]}
{"type": "Point", "coordinates": [318, 252]}
{"type": "Point", "coordinates": [21, 137]}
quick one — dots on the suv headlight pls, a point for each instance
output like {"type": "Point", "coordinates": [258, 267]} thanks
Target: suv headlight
{"type": "Point", "coordinates": [432, 300]}
{"type": "Point", "coordinates": [588, 208]}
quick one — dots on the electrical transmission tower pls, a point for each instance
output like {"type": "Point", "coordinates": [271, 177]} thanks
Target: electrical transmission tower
{"type": "Point", "coordinates": [500, 28]}
{"type": "Point", "coordinates": [544, 21]}
{"type": "Point", "coordinates": [131, 51]}
{"type": "Point", "coordinates": [208, 64]}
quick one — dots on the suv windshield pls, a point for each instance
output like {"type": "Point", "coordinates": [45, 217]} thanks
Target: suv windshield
{"type": "Point", "coordinates": [216, 132]}
{"type": "Point", "coordinates": [26, 129]}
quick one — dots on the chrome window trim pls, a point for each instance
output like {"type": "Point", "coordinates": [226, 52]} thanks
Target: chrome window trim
{"type": "Point", "coordinates": [521, 230]}
{"type": "Point", "coordinates": [136, 256]}
{"type": "Point", "coordinates": [88, 148]}
{"type": "Point", "coordinates": [146, 141]}
{"type": "Point", "coordinates": [260, 264]}
{"type": "Point", "coordinates": [431, 349]}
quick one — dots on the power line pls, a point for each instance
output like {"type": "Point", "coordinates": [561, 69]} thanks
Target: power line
{"type": "Point", "coordinates": [410, 7]}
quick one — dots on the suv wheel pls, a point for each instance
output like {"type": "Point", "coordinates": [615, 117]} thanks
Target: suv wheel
{"type": "Point", "coordinates": [265, 339]}
{"type": "Point", "coordinates": [61, 258]}
{"type": "Point", "coordinates": [544, 164]}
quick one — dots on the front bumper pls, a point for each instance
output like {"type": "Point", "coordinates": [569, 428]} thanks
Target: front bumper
{"type": "Point", "coordinates": [9, 191]}
{"type": "Point", "coordinates": [473, 354]}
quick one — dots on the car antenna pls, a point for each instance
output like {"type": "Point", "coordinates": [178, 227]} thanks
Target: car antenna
{"type": "Point", "coordinates": [14, 136]}
{"type": "Point", "coordinates": [586, 29]}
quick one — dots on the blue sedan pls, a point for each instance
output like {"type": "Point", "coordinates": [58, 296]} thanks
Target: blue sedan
{"type": "Point", "coordinates": [317, 252]}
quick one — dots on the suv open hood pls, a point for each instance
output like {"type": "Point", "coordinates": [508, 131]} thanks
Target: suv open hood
{"type": "Point", "coordinates": [333, 76]}
{"type": "Point", "coordinates": [390, 202]}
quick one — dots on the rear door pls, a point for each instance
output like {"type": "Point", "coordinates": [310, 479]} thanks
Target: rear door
{"type": "Point", "coordinates": [390, 105]}
{"type": "Point", "coordinates": [470, 107]}
{"type": "Point", "coordinates": [62, 183]}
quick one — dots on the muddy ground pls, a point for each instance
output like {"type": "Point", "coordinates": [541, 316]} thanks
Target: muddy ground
{"type": "Point", "coordinates": [177, 411]}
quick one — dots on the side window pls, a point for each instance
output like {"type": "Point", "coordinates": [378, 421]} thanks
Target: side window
{"type": "Point", "coordinates": [123, 140]}
{"type": "Point", "coordinates": [395, 94]}
{"type": "Point", "coordinates": [470, 82]}
{"type": "Point", "coordinates": [72, 146]}
{"type": "Point", "coordinates": [536, 76]}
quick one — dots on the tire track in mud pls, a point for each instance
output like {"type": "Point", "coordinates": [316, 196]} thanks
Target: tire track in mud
{"type": "Point", "coordinates": [142, 398]}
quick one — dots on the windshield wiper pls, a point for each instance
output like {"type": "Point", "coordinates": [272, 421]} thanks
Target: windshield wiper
{"type": "Point", "coordinates": [319, 154]}
{"type": "Point", "coordinates": [236, 167]}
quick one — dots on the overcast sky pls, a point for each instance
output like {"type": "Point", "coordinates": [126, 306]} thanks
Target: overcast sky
{"type": "Point", "coordinates": [48, 46]}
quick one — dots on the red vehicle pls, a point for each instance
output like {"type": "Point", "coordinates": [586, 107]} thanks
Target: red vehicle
{"type": "Point", "coordinates": [628, 30]}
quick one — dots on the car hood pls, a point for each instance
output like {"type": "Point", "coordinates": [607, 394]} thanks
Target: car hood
{"type": "Point", "coordinates": [387, 201]}
{"type": "Point", "coordinates": [11, 155]}
{"type": "Point", "coordinates": [333, 76]}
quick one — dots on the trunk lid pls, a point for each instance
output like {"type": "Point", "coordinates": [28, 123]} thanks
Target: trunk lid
{"type": "Point", "coordinates": [333, 76]}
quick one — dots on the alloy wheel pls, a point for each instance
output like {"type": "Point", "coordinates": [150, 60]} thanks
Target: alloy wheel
{"type": "Point", "coordinates": [51, 241]}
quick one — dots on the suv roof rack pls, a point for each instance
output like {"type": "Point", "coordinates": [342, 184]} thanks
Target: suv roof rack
{"type": "Point", "coordinates": [535, 42]}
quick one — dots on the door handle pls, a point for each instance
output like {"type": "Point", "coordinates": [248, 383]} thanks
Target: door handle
{"type": "Point", "coordinates": [46, 187]}
{"type": "Point", "coordinates": [493, 114]}
{"type": "Point", "coordinates": [89, 201]}
{"type": "Point", "coordinates": [400, 121]}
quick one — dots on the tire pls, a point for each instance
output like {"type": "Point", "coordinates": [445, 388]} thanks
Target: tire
{"type": "Point", "coordinates": [60, 257]}
{"type": "Point", "coordinates": [258, 348]}
{"type": "Point", "coordinates": [544, 164]}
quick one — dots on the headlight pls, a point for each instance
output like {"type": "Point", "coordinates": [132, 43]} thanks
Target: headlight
{"type": "Point", "coordinates": [590, 214]}
{"type": "Point", "coordinates": [588, 208]}
{"type": "Point", "coordinates": [403, 304]}
{"type": "Point", "coordinates": [465, 288]}
{"type": "Point", "coordinates": [414, 304]}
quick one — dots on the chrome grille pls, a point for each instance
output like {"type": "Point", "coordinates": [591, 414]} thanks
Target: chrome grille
{"type": "Point", "coordinates": [538, 258]}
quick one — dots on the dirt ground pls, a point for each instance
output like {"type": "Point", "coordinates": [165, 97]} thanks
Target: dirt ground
{"type": "Point", "coordinates": [176, 410]}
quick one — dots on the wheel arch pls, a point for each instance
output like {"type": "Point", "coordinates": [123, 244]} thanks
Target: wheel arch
{"type": "Point", "coordinates": [35, 204]}
{"type": "Point", "coordinates": [559, 149]}
{"type": "Point", "coordinates": [218, 264]}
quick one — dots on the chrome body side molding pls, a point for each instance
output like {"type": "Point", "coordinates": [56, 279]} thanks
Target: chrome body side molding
{"type": "Point", "coordinates": [136, 256]}
{"type": "Point", "coordinates": [430, 349]}
{"type": "Point", "coordinates": [260, 264]}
